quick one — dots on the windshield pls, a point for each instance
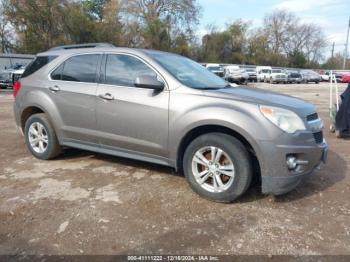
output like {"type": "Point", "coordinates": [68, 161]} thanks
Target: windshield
{"type": "Point", "coordinates": [188, 72]}
{"type": "Point", "coordinates": [249, 70]}
{"type": "Point", "coordinates": [265, 71]}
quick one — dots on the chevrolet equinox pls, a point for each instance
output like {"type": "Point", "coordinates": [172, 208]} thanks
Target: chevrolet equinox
{"type": "Point", "coordinates": [167, 109]}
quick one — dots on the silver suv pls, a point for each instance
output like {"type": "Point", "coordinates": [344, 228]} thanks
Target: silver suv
{"type": "Point", "coordinates": [167, 109]}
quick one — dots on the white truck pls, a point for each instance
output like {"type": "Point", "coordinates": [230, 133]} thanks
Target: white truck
{"type": "Point", "coordinates": [234, 74]}
{"type": "Point", "coordinates": [263, 73]}
{"type": "Point", "coordinates": [277, 76]}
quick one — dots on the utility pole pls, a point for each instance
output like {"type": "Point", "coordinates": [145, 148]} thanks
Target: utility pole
{"type": "Point", "coordinates": [333, 50]}
{"type": "Point", "coordinates": [346, 46]}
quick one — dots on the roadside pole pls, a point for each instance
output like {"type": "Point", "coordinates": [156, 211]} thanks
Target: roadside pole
{"type": "Point", "coordinates": [346, 46]}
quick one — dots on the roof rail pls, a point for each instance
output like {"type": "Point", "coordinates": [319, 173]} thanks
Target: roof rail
{"type": "Point", "coordinates": [87, 45]}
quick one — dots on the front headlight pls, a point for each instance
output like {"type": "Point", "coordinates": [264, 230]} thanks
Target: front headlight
{"type": "Point", "coordinates": [285, 119]}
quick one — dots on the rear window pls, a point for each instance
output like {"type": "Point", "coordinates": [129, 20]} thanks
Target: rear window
{"type": "Point", "coordinates": [37, 63]}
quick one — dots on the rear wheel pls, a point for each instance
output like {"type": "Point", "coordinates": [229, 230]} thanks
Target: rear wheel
{"type": "Point", "coordinates": [41, 138]}
{"type": "Point", "coordinates": [218, 167]}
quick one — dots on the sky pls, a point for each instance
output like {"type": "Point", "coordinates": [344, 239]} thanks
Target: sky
{"type": "Point", "coordinates": [331, 15]}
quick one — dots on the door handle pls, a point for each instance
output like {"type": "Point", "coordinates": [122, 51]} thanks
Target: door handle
{"type": "Point", "coordinates": [54, 89]}
{"type": "Point", "coordinates": [106, 96]}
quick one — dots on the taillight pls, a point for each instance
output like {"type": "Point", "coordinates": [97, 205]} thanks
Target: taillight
{"type": "Point", "coordinates": [16, 87]}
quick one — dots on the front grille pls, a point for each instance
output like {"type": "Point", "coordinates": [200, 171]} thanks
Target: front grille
{"type": "Point", "coordinates": [318, 137]}
{"type": "Point", "coordinates": [312, 117]}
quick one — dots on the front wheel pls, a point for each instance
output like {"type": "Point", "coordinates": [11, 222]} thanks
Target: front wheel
{"type": "Point", "coordinates": [218, 167]}
{"type": "Point", "coordinates": [41, 138]}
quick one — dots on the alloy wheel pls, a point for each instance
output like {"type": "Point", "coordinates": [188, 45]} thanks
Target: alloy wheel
{"type": "Point", "coordinates": [38, 138]}
{"type": "Point", "coordinates": [213, 169]}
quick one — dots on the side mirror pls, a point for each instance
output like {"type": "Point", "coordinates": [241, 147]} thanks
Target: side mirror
{"type": "Point", "coordinates": [149, 82]}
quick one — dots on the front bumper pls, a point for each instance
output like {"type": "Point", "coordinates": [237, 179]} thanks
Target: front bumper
{"type": "Point", "coordinates": [276, 178]}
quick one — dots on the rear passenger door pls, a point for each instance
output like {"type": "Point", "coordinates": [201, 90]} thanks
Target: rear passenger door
{"type": "Point", "coordinates": [134, 120]}
{"type": "Point", "coordinates": [73, 89]}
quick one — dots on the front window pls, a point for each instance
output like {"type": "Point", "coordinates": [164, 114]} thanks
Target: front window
{"type": "Point", "coordinates": [188, 72]}
{"type": "Point", "coordinates": [122, 70]}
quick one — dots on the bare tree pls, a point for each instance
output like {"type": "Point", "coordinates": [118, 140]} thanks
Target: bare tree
{"type": "Point", "coordinates": [6, 32]}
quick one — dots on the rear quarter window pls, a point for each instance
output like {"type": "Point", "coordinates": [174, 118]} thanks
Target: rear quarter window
{"type": "Point", "coordinates": [79, 68]}
{"type": "Point", "coordinates": [36, 64]}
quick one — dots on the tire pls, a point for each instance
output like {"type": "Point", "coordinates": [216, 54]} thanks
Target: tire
{"type": "Point", "coordinates": [3, 87]}
{"type": "Point", "coordinates": [50, 147]}
{"type": "Point", "coordinates": [234, 152]}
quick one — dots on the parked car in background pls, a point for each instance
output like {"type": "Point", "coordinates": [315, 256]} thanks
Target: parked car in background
{"type": "Point", "coordinates": [16, 74]}
{"type": "Point", "coordinates": [167, 109]}
{"type": "Point", "coordinates": [9, 76]}
{"type": "Point", "coordinates": [252, 76]}
{"type": "Point", "coordinates": [325, 76]}
{"type": "Point", "coordinates": [216, 69]}
{"type": "Point", "coordinates": [234, 74]}
{"type": "Point", "coordinates": [310, 76]}
{"type": "Point", "coordinates": [345, 78]}
{"type": "Point", "coordinates": [294, 78]}
{"type": "Point", "coordinates": [5, 79]}
{"type": "Point", "coordinates": [337, 75]}
{"type": "Point", "coordinates": [263, 73]}
{"type": "Point", "coordinates": [277, 76]}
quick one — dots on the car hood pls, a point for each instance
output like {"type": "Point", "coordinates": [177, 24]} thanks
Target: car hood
{"type": "Point", "coordinates": [263, 97]}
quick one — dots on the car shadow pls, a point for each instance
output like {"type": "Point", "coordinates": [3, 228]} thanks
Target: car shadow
{"type": "Point", "coordinates": [330, 174]}
{"type": "Point", "coordinates": [72, 153]}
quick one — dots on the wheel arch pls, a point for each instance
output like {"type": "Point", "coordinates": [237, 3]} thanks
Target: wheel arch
{"type": "Point", "coordinates": [205, 129]}
{"type": "Point", "coordinates": [28, 112]}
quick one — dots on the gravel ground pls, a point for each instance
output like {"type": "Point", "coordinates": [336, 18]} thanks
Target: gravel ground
{"type": "Point", "coordinates": [87, 203]}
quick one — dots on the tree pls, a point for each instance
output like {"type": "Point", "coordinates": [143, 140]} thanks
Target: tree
{"type": "Point", "coordinates": [36, 30]}
{"type": "Point", "coordinates": [95, 8]}
{"type": "Point", "coordinates": [6, 35]}
{"type": "Point", "coordinates": [162, 21]}
{"type": "Point", "coordinates": [290, 40]}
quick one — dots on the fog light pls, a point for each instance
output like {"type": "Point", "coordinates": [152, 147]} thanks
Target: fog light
{"type": "Point", "coordinates": [292, 162]}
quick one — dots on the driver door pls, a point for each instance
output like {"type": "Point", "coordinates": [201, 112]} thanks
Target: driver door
{"type": "Point", "coordinates": [129, 119]}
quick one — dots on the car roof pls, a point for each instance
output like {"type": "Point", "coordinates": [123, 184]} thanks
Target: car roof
{"type": "Point", "coordinates": [72, 51]}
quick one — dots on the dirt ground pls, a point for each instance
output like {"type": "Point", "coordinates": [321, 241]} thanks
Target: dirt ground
{"type": "Point", "coordinates": [87, 203]}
